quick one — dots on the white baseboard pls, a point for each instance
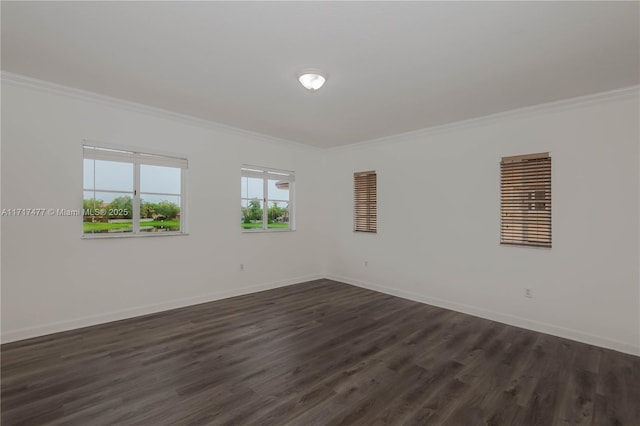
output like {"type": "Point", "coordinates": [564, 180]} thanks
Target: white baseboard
{"type": "Point", "coordinates": [514, 320]}
{"type": "Point", "coordinates": [41, 330]}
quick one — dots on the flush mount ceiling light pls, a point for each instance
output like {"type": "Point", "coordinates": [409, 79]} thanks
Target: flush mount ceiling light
{"type": "Point", "coordinates": [312, 79]}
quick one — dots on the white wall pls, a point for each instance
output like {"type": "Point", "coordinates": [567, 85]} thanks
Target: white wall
{"type": "Point", "coordinates": [53, 280]}
{"type": "Point", "coordinates": [439, 218]}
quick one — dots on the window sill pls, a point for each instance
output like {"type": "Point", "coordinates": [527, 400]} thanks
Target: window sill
{"type": "Point", "coordinates": [122, 235]}
{"type": "Point", "coordinates": [526, 246]}
{"type": "Point", "coordinates": [265, 231]}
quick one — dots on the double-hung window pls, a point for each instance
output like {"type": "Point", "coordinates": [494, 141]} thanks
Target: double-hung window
{"type": "Point", "coordinates": [129, 192]}
{"type": "Point", "coordinates": [266, 198]}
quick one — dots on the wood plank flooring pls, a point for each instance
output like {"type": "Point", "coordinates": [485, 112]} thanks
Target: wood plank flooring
{"type": "Point", "coordinates": [316, 353]}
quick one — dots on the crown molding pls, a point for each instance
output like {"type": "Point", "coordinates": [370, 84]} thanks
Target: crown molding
{"type": "Point", "coordinates": [530, 111]}
{"type": "Point", "coordinates": [58, 89]}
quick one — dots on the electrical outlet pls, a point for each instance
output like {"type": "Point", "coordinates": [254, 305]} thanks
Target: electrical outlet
{"type": "Point", "coordinates": [528, 293]}
{"type": "Point", "coordinates": [242, 266]}
{"type": "Point", "coordinates": [366, 263]}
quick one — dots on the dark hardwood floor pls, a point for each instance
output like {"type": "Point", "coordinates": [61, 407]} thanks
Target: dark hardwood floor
{"type": "Point", "coordinates": [317, 353]}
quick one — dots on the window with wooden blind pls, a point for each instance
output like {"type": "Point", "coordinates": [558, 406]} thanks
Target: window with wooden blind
{"type": "Point", "coordinates": [525, 197]}
{"type": "Point", "coordinates": [365, 202]}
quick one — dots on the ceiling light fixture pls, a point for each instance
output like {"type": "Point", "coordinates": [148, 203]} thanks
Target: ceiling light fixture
{"type": "Point", "coordinates": [312, 79]}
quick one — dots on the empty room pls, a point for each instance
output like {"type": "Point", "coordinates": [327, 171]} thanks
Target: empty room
{"type": "Point", "coordinates": [320, 213]}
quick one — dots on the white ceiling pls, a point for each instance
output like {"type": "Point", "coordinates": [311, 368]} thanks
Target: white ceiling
{"type": "Point", "coordinates": [393, 66]}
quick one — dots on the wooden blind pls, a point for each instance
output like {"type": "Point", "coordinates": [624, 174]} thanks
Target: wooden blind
{"type": "Point", "coordinates": [365, 202]}
{"type": "Point", "coordinates": [525, 197]}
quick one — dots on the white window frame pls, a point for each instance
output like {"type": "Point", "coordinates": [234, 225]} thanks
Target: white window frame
{"type": "Point", "coordinates": [100, 151]}
{"type": "Point", "coordinates": [267, 173]}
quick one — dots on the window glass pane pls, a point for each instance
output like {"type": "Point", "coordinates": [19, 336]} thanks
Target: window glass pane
{"type": "Point", "coordinates": [107, 212]}
{"type": "Point", "coordinates": [159, 213]}
{"type": "Point", "coordinates": [159, 179]}
{"type": "Point", "coordinates": [278, 190]}
{"type": "Point", "coordinates": [252, 188]}
{"type": "Point", "coordinates": [243, 187]}
{"type": "Point", "coordinates": [251, 213]}
{"type": "Point", "coordinates": [112, 176]}
{"type": "Point", "coordinates": [87, 170]}
{"type": "Point", "coordinates": [278, 215]}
